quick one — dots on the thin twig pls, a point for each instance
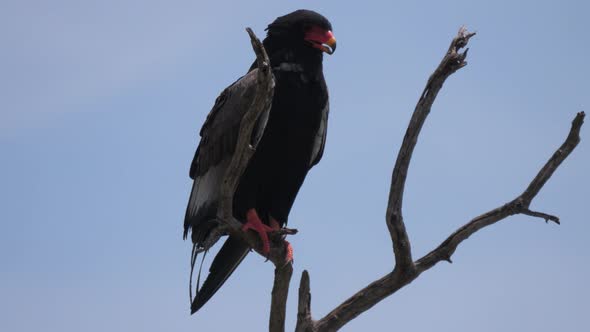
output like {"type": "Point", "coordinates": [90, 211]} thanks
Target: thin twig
{"type": "Point", "coordinates": [556, 159]}
{"type": "Point", "coordinates": [545, 216]}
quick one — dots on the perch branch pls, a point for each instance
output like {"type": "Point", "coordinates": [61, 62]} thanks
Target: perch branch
{"type": "Point", "coordinates": [245, 148]}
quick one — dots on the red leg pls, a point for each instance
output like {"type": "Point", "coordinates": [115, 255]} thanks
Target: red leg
{"type": "Point", "coordinates": [253, 222]}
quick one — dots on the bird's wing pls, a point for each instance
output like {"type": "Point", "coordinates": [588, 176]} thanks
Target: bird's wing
{"type": "Point", "coordinates": [218, 139]}
{"type": "Point", "coordinates": [320, 139]}
{"type": "Point", "coordinates": [219, 135]}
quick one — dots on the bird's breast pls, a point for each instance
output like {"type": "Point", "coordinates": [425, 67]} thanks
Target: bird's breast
{"type": "Point", "coordinates": [294, 119]}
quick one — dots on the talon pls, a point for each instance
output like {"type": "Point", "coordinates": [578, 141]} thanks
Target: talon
{"type": "Point", "coordinates": [254, 223]}
{"type": "Point", "coordinates": [274, 224]}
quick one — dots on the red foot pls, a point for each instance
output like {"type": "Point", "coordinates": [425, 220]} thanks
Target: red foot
{"type": "Point", "coordinates": [289, 249]}
{"type": "Point", "coordinates": [289, 253]}
{"type": "Point", "coordinates": [253, 222]}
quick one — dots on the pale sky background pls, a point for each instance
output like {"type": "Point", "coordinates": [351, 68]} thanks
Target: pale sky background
{"type": "Point", "coordinates": [100, 107]}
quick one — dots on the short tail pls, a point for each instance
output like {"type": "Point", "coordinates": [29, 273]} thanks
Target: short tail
{"type": "Point", "coordinates": [225, 262]}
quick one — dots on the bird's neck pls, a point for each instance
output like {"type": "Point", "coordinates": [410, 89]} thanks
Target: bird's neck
{"type": "Point", "coordinates": [304, 55]}
{"type": "Point", "coordinates": [287, 57]}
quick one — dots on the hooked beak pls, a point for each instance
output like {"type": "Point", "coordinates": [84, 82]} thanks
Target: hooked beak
{"type": "Point", "coordinates": [321, 39]}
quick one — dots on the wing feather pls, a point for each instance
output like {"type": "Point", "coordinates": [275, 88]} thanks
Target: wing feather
{"type": "Point", "coordinates": [320, 140]}
{"type": "Point", "coordinates": [218, 139]}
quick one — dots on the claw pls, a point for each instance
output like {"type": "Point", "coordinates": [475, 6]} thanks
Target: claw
{"type": "Point", "coordinates": [254, 223]}
{"type": "Point", "coordinates": [288, 248]}
{"type": "Point", "coordinates": [274, 224]}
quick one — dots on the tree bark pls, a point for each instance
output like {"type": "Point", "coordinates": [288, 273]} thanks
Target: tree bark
{"type": "Point", "coordinates": [405, 269]}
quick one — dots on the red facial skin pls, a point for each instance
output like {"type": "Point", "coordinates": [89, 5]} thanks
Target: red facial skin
{"type": "Point", "coordinates": [321, 39]}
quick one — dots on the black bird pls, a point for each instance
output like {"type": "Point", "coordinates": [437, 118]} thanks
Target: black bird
{"type": "Point", "coordinates": [292, 143]}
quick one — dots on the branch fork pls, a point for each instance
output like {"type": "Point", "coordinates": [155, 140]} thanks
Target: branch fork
{"type": "Point", "coordinates": [404, 269]}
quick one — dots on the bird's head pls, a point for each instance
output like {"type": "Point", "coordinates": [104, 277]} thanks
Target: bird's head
{"type": "Point", "coordinates": [304, 29]}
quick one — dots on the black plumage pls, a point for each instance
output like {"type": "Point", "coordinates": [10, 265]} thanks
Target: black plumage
{"type": "Point", "coordinates": [292, 143]}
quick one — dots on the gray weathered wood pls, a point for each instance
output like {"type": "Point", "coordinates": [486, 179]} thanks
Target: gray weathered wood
{"type": "Point", "coordinates": [280, 292]}
{"type": "Point", "coordinates": [405, 270]}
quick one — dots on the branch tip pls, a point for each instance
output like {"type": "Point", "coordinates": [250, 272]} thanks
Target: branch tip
{"type": "Point", "coordinates": [547, 217]}
{"type": "Point", "coordinates": [461, 39]}
{"type": "Point", "coordinates": [579, 119]}
{"type": "Point", "coordinates": [304, 321]}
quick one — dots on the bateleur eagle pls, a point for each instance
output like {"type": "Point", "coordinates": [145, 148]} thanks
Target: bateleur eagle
{"type": "Point", "coordinates": [292, 143]}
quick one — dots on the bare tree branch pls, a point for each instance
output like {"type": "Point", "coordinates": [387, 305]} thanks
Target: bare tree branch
{"type": "Point", "coordinates": [516, 206]}
{"type": "Point", "coordinates": [558, 157]}
{"type": "Point", "coordinates": [245, 148]}
{"type": "Point", "coordinates": [304, 321]}
{"type": "Point", "coordinates": [405, 271]}
{"type": "Point", "coordinates": [280, 292]}
{"type": "Point", "coordinates": [545, 216]}
{"type": "Point", "coordinates": [452, 61]}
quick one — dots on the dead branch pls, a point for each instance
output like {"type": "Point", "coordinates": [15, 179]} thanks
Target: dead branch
{"type": "Point", "coordinates": [451, 62]}
{"type": "Point", "coordinates": [244, 150]}
{"type": "Point", "coordinates": [304, 321]}
{"type": "Point", "coordinates": [280, 292]}
{"type": "Point", "coordinates": [519, 205]}
{"type": "Point", "coordinates": [405, 270]}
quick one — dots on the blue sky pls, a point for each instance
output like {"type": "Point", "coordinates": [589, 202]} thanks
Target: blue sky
{"type": "Point", "coordinates": [100, 107]}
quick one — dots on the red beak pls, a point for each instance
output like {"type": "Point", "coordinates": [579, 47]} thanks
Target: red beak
{"type": "Point", "coordinates": [321, 39]}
